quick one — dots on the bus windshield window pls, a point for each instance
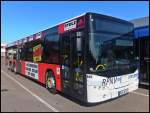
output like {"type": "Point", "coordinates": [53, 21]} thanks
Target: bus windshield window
{"type": "Point", "coordinates": [110, 46]}
{"type": "Point", "coordinates": [109, 51]}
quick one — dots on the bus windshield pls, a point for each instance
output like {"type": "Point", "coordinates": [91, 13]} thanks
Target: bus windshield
{"type": "Point", "coordinates": [107, 52]}
{"type": "Point", "coordinates": [112, 50]}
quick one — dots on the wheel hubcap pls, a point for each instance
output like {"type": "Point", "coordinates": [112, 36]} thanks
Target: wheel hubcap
{"type": "Point", "coordinates": [50, 82]}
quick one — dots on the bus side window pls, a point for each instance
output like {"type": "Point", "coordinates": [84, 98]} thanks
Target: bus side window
{"type": "Point", "coordinates": [51, 49]}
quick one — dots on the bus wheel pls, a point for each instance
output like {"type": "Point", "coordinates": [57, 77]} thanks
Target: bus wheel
{"type": "Point", "coordinates": [50, 82]}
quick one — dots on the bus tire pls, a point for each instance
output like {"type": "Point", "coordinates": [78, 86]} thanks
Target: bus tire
{"type": "Point", "coordinates": [50, 82]}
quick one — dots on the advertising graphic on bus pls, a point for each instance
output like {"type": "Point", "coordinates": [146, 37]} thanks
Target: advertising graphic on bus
{"type": "Point", "coordinates": [90, 57]}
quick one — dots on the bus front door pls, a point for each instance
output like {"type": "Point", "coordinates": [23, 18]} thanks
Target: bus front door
{"type": "Point", "coordinates": [71, 59]}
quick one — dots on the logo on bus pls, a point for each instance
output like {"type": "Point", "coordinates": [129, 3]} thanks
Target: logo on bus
{"type": "Point", "coordinates": [70, 25]}
{"type": "Point", "coordinates": [73, 24]}
{"type": "Point", "coordinates": [111, 80]}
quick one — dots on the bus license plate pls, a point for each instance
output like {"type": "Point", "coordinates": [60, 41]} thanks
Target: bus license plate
{"type": "Point", "coordinates": [122, 92]}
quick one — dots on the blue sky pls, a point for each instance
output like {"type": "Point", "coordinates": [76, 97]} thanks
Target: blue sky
{"type": "Point", "coordinates": [21, 18]}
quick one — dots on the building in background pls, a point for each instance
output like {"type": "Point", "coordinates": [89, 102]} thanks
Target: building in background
{"type": "Point", "coordinates": [3, 49]}
{"type": "Point", "coordinates": [142, 47]}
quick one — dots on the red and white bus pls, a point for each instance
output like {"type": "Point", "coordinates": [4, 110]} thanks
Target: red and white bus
{"type": "Point", "coordinates": [89, 57]}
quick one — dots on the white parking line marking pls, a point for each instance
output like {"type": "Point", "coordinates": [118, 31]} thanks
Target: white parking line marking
{"type": "Point", "coordinates": [140, 94]}
{"type": "Point", "coordinates": [33, 94]}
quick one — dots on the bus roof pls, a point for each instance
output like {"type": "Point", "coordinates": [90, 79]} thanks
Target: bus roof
{"type": "Point", "coordinates": [35, 35]}
{"type": "Point", "coordinates": [20, 40]}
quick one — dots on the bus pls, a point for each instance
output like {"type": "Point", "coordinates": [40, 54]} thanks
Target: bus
{"type": "Point", "coordinates": [90, 57]}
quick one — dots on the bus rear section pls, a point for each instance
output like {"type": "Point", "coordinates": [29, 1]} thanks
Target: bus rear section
{"type": "Point", "coordinates": [90, 58]}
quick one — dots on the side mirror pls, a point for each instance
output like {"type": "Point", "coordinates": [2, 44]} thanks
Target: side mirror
{"type": "Point", "coordinates": [79, 44]}
{"type": "Point", "coordinates": [79, 34]}
{"type": "Point", "coordinates": [79, 41]}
